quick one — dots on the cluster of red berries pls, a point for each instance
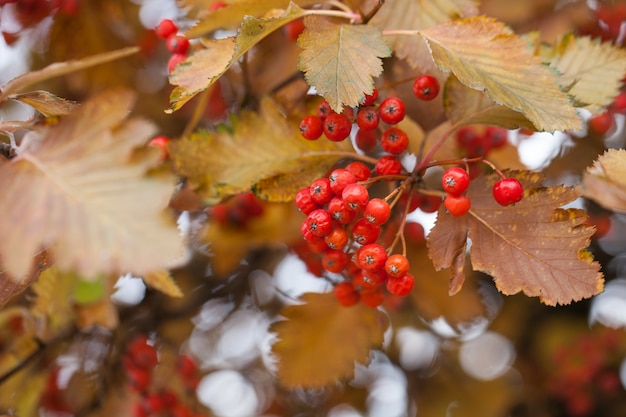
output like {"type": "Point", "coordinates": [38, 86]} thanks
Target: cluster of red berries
{"type": "Point", "coordinates": [238, 211]}
{"type": "Point", "coordinates": [29, 13]}
{"type": "Point", "coordinates": [476, 142]}
{"type": "Point", "coordinates": [177, 44]}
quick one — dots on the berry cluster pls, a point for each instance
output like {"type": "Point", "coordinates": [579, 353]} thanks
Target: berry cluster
{"type": "Point", "coordinates": [177, 44]}
{"type": "Point", "coordinates": [476, 142]}
{"type": "Point", "coordinates": [238, 211]}
{"type": "Point", "coordinates": [29, 13]}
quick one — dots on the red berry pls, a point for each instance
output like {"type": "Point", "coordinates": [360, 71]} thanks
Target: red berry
{"type": "Point", "coordinates": [457, 205]}
{"type": "Point", "coordinates": [161, 142]}
{"type": "Point", "coordinates": [455, 181]}
{"type": "Point", "coordinates": [508, 191]}
{"type": "Point", "coordinates": [311, 127]}
{"type": "Point", "coordinates": [465, 136]}
{"type": "Point", "coordinates": [340, 212]}
{"type": "Point", "coordinates": [360, 170]}
{"type": "Point", "coordinates": [367, 118]}
{"type": "Point", "coordinates": [429, 203]}
{"type": "Point", "coordinates": [388, 165]}
{"type": "Point", "coordinates": [186, 366]}
{"type": "Point", "coordinates": [496, 136]}
{"type": "Point", "coordinates": [321, 192]}
{"type": "Point", "coordinates": [356, 196]}
{"type": "Point", "coordinates": [372, 296]}
{"type": "Point", "coordinates": [216, 5]}
{"type": "Point", "coordinates": [426, 87]}
{"type": "Point", "coordinates": [174, 61]}
{"type": "Point", "coordinates": [600, 124]}
{"type": "Point", "coordinates": [324, 110]}
{"type": "Point", "coordinates": [177, 44]}
{"type": "Point", "coordinates": [138, 378]}
{"type": "Point", "coordinates": [394, 141]}
{"type": "Point", "coordinates": [305, 202]}
{"type": "Point", "coordinates": [619, 104]}
{"type": "Point", "coordinates": [370, 98]}
{"type": "Point", "coordinates": [414, 233]}
{"type": "Point", "coordinates": [337, 238]}
{"type": "Point", "coordinates": [364, 232]}
{"type": "Point", "coordinates": [366, 140]}
{"type": "Point", "coordinates": [346, 294]}
{"type": "Point", "coordinates": [142, 354]}
{"type": "Point", "coordinates": [377, 211]}
{"type": "Point", "coordinates": [166, 28]}
{"type": "Point", "coordinates": [392, 110]}
{"type": "Point", "coordinates": [402, 285]}
{"type": "Point", "coordinates": [339, 179]}
{"type": "Point", "coordinates": [372, 257]}
{"type": "Point", "coordinates": [337, 127]}
{"type": "Point", "coordinates": [319, 222]}
{"type": "Point", "coordinates": [153, 403]}
{"type": "Point", "coordinates": [293, 29]}
{"type": "Point", "coordinates": [335, 260]}
{"type": "Point", "coordinates": [374, 278]}
{"type": "Point", "coordinates": [397, 265]}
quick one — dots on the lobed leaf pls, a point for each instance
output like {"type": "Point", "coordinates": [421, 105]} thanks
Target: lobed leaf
{"type": "Point", "coordinates": [265, 153]}
{"type": "Point", "coordinates": [340, 60]}
{"type": "Point", "coordinates": [534, 246]}
{"type": "Point", "coordinates": [320, 341]}
{"type": "Point", "coordinates": [485, 55]}
{"type": "Point", "coordinates": [75, 189]}
{"type": "Point", "coordinates": [605, 181]}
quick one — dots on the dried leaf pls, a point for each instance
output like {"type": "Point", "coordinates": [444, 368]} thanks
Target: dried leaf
{"type": "Point", "coordinates": [605, 181]}
{"type": "Point", "coordinates": [264, 152]}
{"type": "Point", "coordinates": [418, 15]}
{"type": "Point", "coordinates": [487, 56]}
{"type": "Point", "coordinates": [591, 71]}
{"type": "Point", "coordinates": [331, 53]}
{"type": "Point", "coordinates": [205, 66]}
{"type": "Point", "coordinates": [534, 246]}
{"type": "Point", "coordinates": [45, 103]}
{"type": "Point", "coordinates": [53, 301]}
{"type": "Point", "coordinates": [323, 328]}
{"type": "Point", "coordinates": [77, 192]}
{"type": "Point", "coordinates": [11, 286]}
{"type": "Point", "coordinates": [162, 280]}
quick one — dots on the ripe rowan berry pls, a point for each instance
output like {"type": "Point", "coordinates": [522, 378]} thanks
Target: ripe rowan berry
{"type": "Point", "coordinates": [340, 212]}
{"type": "Point", "coordinates": [366, 140]}
{"type": "Point", "coordinates": [337, 127]}
{"type": "Point", "coordinates": [174, 61]}
{"type": "Point", "coordinates": [600, 124]}
{"type": "Point", "coordinates": [346, 294]}
{"type": "Point", "coordinates": [429, 203]}
{"type": "Point", "coordinates": [360, 170]}
{"type": "Point", "coordinates": [392, 110]}
{"type": "Point", "coordinates": [372, 257]}
{"type": "Point", "coordinates": [372, 296]}
{"type": "Point", "coordinates": [364, 232]}
{"type": "Point", "coordinates": [166, 28]}
{"type": "Point", "coordinates": [457, 205]}
{"type": "Point", "coordinates": [426, 87]}
{"type": "Point", "coordinates": [162, 143]}
{"type": "Point", "coordinates": [320, 191]}
{"type": "Point", "coordinates": [367, 118]}
{"type": "Point", "coordinates": [335, 260]}
{"type": "Point", "coordinates": [293, 29]}
{"type": "Point", "coordinates": [339, 178]}
{"type": "Point", "coordinates": [374, 278]}
{"type": "Point", "coordinates": [356, 196]}
{"type": "Point", "coordinates": [377, 211]}
{"type": "Point", "coordinates": [396, 265]}
{"type": "Point", "coordinates": [388, 165]}
{"type": "Point", "coordinates": [455, 181]}
{"type": "Point", "coordinates": [324, 110]}
{"type": "Point", "coordinates": [319, 222]}
{"type": "Point", "coordinates": [177, 44]}
{"type": "Point", "coordinates": [394, 141]}
{"type": "Point", "coordinates": [496, 136]}
{"type": "Point", "coordinates": [337, 238]}
{"type": "Point", "coordinates": [305, 202]}
{"type": "Point", "coordinates": [415, 233]}
{"type": "Point", "coordinates": [401, 286]}
{"type": "Point", "coordinates": [370, 98]}
{"type": "Point", "coordinates": [311, 127]}
{"type": "Point", "coordinates": [508, 191]}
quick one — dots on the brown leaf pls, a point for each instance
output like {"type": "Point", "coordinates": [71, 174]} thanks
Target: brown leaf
{"type": "Point", "coordinates": [323, 328]}
{"type": "Point", "coordinates": [45, 102]}
{"type": "Point", "coordinates": [75, 189]}
{"type": "Point", "coordinates": [10, 286]}
{"type": "Point", "coordinates": [534, 246]}
{"type": "Point", "coordinates": [162, 280]}
{"type": "Point", "coordinates": [605, 181]}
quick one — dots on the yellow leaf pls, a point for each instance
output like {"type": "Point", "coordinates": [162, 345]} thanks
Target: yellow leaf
{"type": "Point", "coordinates": [418, 15]}
{"type": "Point", "coordinates": [605, 181]}
{"type": "Point", "coordinates": [485, 55]}
{"type": "Point", "coordinates": [320, 341]}
{"type": "Point", "coordinates": [265, 152]}
{"type": "Point", "coordinates": [53, 304]}
{"type": "Point", "coordinates": [205, 66]}
{"type": "Point", "coordinates": [45, 103]}
{"type": "Point", "coordinates": [340, 61]}
{"type": "Point", "coordinates": [162, 280]}
{"type": "Point", "coordinates": [591, 71]}
{"type": "Point", "coordinates": [75, 190]}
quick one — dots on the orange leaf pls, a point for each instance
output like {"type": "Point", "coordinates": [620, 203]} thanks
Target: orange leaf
{"type": "Point", "coordinates": [605, 181]}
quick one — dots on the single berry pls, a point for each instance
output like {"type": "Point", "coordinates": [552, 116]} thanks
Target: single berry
{"type": "Point", "coordinates": [320, 191]}
{"type": "Point", "coordinates": [177, 44]}
{"type": "Point", "coordinates": [142, 354]}
{"type": "Point", "coordinates": [293, 29]}
{"type": "Point", "coordinates": [367, 118]}
{"type": "Point", "coordinates": [166, 28]}
{"type": "Point", "coordinates": [311, 127]}
{"type": "Point", "coordinates": [372, 296]}
{"type": "Point", "coordinates": [388, 165]}
{"type": "Point", "coordinates": [396, 265]}
{"type": "Point", "coordinates": [366, 140]}
{"type": "Point", "coordinates": [364, 232]}
{"type": "Point", "coordinates": [335, 260]}
{"type": "Point", "coordinates": [496, 136]}
{"type": "Point", "coordinates": [186, 366]}
{"type": "Point", "coordinates": [457, 205]}
{"type": "Point", "coordinates": [508, 191]}
{"type": "Point", "coordinates": [426, 87]}
{"type": "Point", "coordinates": [600, 124]}
{"type": "Point", "coordinates": [305, 202]}
{"type": "Point", "coordinates": [429, 203]}
{"type": "Point", "coordinates": [372, 257]}
{"type": "Point", "coordinates": [337, 127]}
{"type": "Point", "coordinates": [339, 211]}
{"type": "Point", "coordinates": [415, 233]}
{"type": "Point", "coordinates": [375, 278]}
{"type": "Point", "coordinates": [346, 294]}
{"type": "Point", "coordinates": [394, 141]}
{"type": "Point", "coordinates": [174, 61]}
{"type": "Point", "coordinates": [337, 238]}
{"type": "Point", "coordinates": [619, 104]}
{"type": "Point", "coordinates": [465, 136]}
{"type": "Point", "coordinates": [138, 378]}
{"type": "Point", "coordinates": [377, 211]}
{"type": "Point", "coordinates": [161, 142]}
{"type": "Point", "coordinates": [392, 110]}
{"type": "Point", "coordinates": [339, 179]}
{"type": "Point", "coordinates": [356, 196]}
{"type": "Point", "coordinates": [455, 181]}
{"type": "Point", "coordinates": [401, 286]}
{"type": "Point", "coordinates": [324, 110]}
{"type": "Point", "coordinates": [360, 170]}
{"type": "Point", "coordinates": [370, 98]}
{"type": "Point", "coordinates": [153, 403]}
{"type": "Point", "coordinates": [319, 222]}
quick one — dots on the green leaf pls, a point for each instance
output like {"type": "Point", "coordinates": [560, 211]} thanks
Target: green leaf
{"type": "Point", "coordinates": [87, 292]}
{"type": "Point", "coordinates": [340, 61]}
{"type": "Point", "coordinates": [264, 152]}
{"type": "Point", "coordinates": [485, 55]}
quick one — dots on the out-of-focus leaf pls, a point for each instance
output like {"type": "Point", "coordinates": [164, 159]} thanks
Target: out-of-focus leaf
{"type": "Point", "coordinates": [162, 281]}
{"type": "Point", "coordinates": [418, 15]}
{"type": "Point", "coordinates": [323, 328]}
{"type": "Point", "coordinates": [54, 301]}
{"type": "Point", "coordinates": [88, 292]}
{"type": "Point", "coordinates": [205, 66]}
{"type": "Point", "coordinates": [265, 153]}
{"type": "Point", "coordinates": [332, 52]}
{"type": "Point", "coordinates": [102, 313]}
{"type": "Point", "coordinates": [45, 102]}
{"type": "Point", "coordinates": [78, 192]}
{"type": "Point", "coordinates": [61, 68]}
{"type": "Point", "coordinates": [534, 246]}
{"type": "Point", "coordinates": [485, 55]}
{"type": "Point", "coordinates": [591, 71]}
{"type": "Point", "coordinates": [11, 286]}
{"type": "Point", "coordinates": [605, 181]}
